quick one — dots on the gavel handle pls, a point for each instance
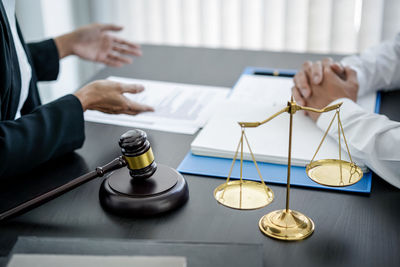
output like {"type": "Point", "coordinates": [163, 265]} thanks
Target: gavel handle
{"type": "Point", "coordinates": [37, 201]}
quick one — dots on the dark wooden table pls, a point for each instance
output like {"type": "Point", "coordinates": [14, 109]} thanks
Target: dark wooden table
{"type": "Point", "coordinates": [351, 229]}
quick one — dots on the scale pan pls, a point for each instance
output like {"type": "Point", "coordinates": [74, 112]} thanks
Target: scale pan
{"type": "Point", "coordinates": [327, 172]}
{"type": "Point", "coordinates": [244, 195]}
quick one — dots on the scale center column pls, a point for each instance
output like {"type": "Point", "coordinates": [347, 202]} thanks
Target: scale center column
{"type": "Point", "coordinates": [287, 224]}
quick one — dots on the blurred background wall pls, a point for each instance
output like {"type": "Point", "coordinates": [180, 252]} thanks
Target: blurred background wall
{"type": "Point", "coordinates": [323, 26]}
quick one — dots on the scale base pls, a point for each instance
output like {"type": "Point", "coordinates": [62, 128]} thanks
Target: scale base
{"type": "Point", "coordinates": [164, 191]}
{"type": "Point", "coordinates": [243, 195]}
{"type": "Point", "coordinates": [286, 225]}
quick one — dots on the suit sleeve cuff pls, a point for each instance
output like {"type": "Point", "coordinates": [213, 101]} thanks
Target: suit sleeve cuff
{"type": "Point", "coordinates": [75, 132]}
{"type": "Point", "coordinates": [45, 59]}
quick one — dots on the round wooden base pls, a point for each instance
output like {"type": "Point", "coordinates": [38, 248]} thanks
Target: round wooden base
{"type": "Point", "coordinates": [164, 191]}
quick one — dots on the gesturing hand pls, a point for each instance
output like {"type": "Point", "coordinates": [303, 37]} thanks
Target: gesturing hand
{"type": "Point", "coordinates": [107, 96]}
{"type": "Point", "coordinates": [94, 42]}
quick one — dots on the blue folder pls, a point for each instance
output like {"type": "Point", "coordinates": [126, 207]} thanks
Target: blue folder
{"type": "Point", "coordinates": [272, 173]}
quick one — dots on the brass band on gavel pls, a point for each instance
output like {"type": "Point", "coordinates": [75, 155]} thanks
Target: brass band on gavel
{"type": "Point", "coordinates": [141, 161]}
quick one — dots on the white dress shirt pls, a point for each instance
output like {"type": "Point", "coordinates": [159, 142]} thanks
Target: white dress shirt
{"type": "Point", "coordinates": [373, 138]}
{"type": "Point", "coordinates": [24, 66]}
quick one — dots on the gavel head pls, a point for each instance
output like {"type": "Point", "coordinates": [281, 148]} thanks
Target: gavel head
{"type": "Point", "coordinates": [138, 154]}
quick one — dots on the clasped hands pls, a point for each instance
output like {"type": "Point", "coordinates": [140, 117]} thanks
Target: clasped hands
{"type": "Point", "coordinates": [96, 43]}
{"type": "Point", "coordinates": [319, 83]}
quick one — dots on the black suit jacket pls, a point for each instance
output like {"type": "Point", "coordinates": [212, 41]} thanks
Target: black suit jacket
{"type": "Point", "coordinates": [43, 131]}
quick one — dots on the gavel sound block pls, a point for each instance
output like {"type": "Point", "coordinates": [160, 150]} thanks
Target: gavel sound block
{"type": "Point", "coordinates": [144, 188]}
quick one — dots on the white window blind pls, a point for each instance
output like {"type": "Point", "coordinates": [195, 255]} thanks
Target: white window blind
{"type": "Point", "coordinates": [334, 26]}
{"type": "Point", "coordinates": [326, 26]}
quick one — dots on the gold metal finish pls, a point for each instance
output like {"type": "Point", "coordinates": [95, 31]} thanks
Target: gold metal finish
{"type": "Point", "coordinates": [256, 124]}
{"type": "Point", "coordinates": [292, 107]}
{"type": "Point", "coordinates": [140, 162]}
{"type": "Point", "coordinates": [332, 172]}
{"type": "Point", "coordinates": [289, 161]}
{"type": "Point", "coordinates": [326, 109]}
{"type": "Point", "coordinates": [286, 225]}
{"type": "Point", "coordinates": [242, 194]}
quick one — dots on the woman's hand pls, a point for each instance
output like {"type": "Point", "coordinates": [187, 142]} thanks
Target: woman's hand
{"type": "Point", "coordinates": [107, 96]}
{"type": "Point", "coordinates": [95, 43]}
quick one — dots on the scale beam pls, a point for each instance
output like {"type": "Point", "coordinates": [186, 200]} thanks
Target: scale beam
{"type": "Point", "coordinates": [323, 110]}
{"type": "Point", "coordinates": [291, 108]}
{"type": "Point", "coordinates": [258, 123]}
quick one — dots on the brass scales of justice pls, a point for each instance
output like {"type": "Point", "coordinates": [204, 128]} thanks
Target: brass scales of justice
{"type": "Point", "coordinates": [286, 224]}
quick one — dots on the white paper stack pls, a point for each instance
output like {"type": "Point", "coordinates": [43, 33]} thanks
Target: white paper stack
{"type": "Point", "coordinates": [179, 107]}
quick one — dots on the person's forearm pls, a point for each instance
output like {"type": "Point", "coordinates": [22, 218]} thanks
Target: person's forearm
{"type": "Point", "coordinates": [45, 58]}
{"type": "Point", "coordinates": [83, 98]}
{"type": "Point", "coordinates": [64, 45]}
{"type": "Point", "coordinates": [49, 131]}
{"type": "Point", "coordinates": [372, 138]}
{"type": "Point", "coordinates": [377, 67]}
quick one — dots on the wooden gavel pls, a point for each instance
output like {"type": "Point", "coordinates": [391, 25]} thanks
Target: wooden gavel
{"type": "Point", "coordinates": [137, 155]}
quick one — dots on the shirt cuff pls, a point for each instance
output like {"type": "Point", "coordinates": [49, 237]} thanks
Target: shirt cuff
{"type": "Point", "coordinates": [348, 108]}
{"type": "Point", "coordinates": [352, 62]}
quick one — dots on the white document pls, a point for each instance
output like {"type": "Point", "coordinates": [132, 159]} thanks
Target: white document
{"type": "Point", "coordinates": [181, 108]}
{"type": "Point", "coordinates": [255, 98]}
{"type": "Point", "coordinates": [47, 260]}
